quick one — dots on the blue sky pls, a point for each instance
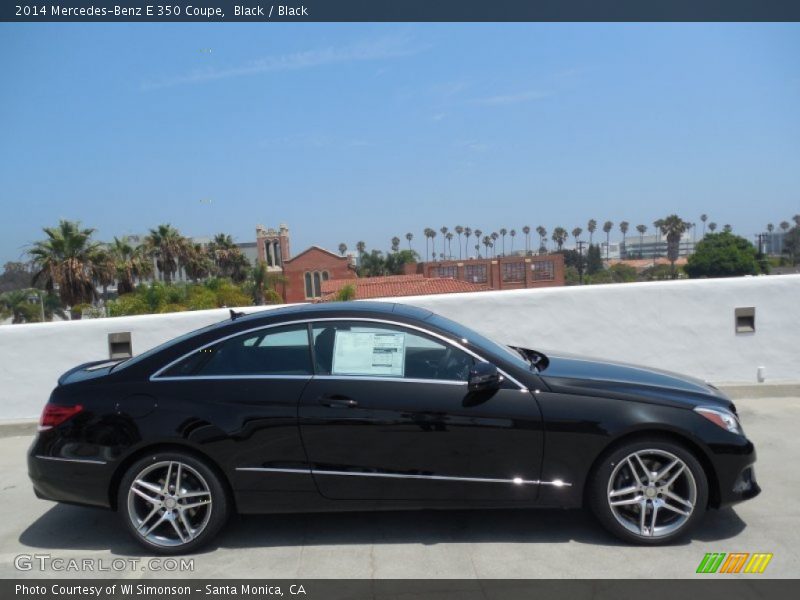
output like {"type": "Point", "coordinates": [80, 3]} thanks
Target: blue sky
{"type": "Point", "coordinates": [360, 132]}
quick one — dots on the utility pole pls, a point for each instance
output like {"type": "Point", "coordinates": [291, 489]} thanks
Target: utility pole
{"type": "Point", "coordinates": [580, 260]}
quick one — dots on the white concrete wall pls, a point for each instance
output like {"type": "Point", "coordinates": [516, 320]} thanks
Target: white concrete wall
{"type": "Point", "coordinates": [685, 326]}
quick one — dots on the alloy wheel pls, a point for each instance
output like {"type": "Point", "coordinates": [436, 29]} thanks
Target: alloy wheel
{"type": "Point", "coordinates": [169, 503]}
{"type": "Point", "coordinates": [652, 493]}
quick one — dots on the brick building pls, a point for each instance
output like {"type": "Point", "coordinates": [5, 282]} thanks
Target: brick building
{"type": "Point", "coordinates": [501, 273]}
{"type": "Point", "coordinates": [307, 272]}
{"type": "Point", "coordinates": [316, 273]}
{"type": "Point", "coordinates": [393, 286]}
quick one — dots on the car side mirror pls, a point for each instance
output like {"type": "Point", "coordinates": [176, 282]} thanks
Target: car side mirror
{"type": "Point", "coordinates": [484, 376]}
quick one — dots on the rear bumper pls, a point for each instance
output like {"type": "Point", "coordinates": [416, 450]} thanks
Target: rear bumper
{"type": "Point", "coordinates": [74, 481]}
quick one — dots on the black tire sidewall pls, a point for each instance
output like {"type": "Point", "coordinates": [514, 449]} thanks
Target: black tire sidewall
{"type": "Point", "coordinates": [219, 498]}
{"type": "Point", "coordinates": [598, 500]}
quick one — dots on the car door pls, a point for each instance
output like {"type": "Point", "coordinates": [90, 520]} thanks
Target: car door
{"type": "Point", "coordinates": [388, 416]}
{"type": "Point", "coordinates": [242, 392]}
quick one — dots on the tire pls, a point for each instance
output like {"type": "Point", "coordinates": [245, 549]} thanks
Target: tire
{"type": "Point", "coordinates": [166, 521]}
{"type": "Point", "coordinates": [672, 486]}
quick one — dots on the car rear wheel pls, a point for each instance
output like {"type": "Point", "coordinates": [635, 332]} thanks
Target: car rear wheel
{"type": "Point", "coordinates": [649, 491]}
{"type": "Point", "coordinates": [172, 502]}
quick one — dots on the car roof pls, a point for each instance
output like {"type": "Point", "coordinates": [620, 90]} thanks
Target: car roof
{"type": "Point", "coordinates": [349, 308]}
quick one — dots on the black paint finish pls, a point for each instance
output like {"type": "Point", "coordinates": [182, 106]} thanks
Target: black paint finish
{"type": "Point", "coordinates": [318, 443]}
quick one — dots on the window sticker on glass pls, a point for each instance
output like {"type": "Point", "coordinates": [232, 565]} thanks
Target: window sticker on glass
{"type": "Point", "coordinates": [369, 353]}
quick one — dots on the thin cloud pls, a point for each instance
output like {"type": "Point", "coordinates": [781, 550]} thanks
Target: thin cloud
{"type": "Point", "coordinates": [367, 50]}
{"type": "Point", "coordinates": [517, 98]}
{"type": "Point", "coordinates": [475, 145]}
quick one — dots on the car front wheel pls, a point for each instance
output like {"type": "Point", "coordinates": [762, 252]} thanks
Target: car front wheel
{"type": "Point", "coordinates": [649, 492]}
{"type": "Point", "coordinates": [172, 502]}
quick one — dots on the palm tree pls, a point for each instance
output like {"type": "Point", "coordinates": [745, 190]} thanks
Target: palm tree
{"type": "Point", "coordinates": [542, 239]}
{"type": "Point", "coordinates": [17, 305]}
{"type": "Point", "coordinates": [623, 227]}
{"type": "Point", "coordinates": [409, 237]}
{"type": "Point", "coordinates": [225, 255]}
{"type": "Point", "coordinates": [796, 219]}
{"type": "Point", "coordinates": [487, 241]}
{"type": "Point", "coordinates": [713, 227]}
{"type": "Point", "coordinates": [342, 248]}
{"type": "Point", "coordinates": [560, 236]}
{"type": "Point", "coordinates": [727, 228]}
{"type": "Point", "coordinates": [449, 236]}
{"type": "Point", "coordinates": [444, 231]}
{"type": "Point", "coordinates": [265, 284]}
{"type": "Point", "coordinates": [361, 247]}
{"type": "Point", "coordinates": [641, 229]}
{"type": "Point", "coordinates": [657, 224]}
{"type": "Point", "coordinates": [130, 263]}
{"type": "Point", "coordinates": [467, 233]}
{"type": "Point", "coordinates": [770, 227]}
{"type": "Point", "coordinates": [168, 247]}
{"type": "Point", "coordinates": [494, 240]}
{"type": "Point", "coordinates": [478, 234]}
{"type": "Point", "coordinates": [673, 227]}
{"type": "Point", "coordinates": [66, 260]}
{"type": "Point", "coordinates": [513, 234]}
{"type": "Point", "coordinates": [784, 225]}
{"type": "Point", "coordinates": [433, 243]}
{"type": "Point", "coordinates": [459, 231]}
{"type": "Point", "coordinates": [477, 250]}
{"type": "Point", "coordinates": [395, 244]}
{"type": "Point", "coordinates": [591, 227]}
{"type": "Point", "coordinates": [576, 233]}
{"type": "Point", "coordinates": [504, 232]}
{"type": "Point", "coordinates": [199, 264]}
{"type": "Point", "coordinates": [704, 218]}
{"type": "Point", "coordinates": [527, 231]}
{"type": "Point", "coordinates": [607, 226]}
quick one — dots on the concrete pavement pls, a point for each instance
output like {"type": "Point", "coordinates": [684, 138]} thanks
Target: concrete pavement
{"type": "Point", "coordinates": [457, 544]}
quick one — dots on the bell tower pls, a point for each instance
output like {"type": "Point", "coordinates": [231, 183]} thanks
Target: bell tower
{"type": "Point", "coordinates": [273, 246]}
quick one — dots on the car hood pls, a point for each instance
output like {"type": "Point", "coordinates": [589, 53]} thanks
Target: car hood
{"type": "Point", "coordinates": [578, 374]}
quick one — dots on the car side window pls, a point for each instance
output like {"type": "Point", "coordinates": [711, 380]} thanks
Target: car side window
{"type": "Point", "coordinates": [360, 348]}
{"type": "Point", "coordinates": [273, 351]}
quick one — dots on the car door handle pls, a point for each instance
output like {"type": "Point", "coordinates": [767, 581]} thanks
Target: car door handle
{"type": "Point", "coordinates": [337, 401]}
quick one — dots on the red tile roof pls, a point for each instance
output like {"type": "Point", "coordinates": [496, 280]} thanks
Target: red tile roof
{"type": "Point", "coordinates": [641, 264]}
{"type": "Point", "coordinates": [398, 285]}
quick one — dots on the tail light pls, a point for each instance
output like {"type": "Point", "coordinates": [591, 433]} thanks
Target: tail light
{"type": "Point", "coordinates": [55, 414]}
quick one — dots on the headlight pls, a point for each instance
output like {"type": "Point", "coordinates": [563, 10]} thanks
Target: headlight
{"type": "Point", "coordinates": [720, 416]}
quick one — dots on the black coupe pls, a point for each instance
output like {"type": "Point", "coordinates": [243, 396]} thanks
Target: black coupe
{"type": "Point", "coordinates": [364, 406]}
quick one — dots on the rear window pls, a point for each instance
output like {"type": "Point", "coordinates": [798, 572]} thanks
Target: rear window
{"type": "Point", "coordinates": [273, 351]}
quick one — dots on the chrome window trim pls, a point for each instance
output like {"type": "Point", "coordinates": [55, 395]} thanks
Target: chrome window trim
{"type": "Point", "coordinates": [446, 340]}
{"type": "Point", "coordinates": [514, 480]}
{"type": "Point", "coordinates": [87, 461]}
{"type": "Point", "coordinates": [224, 377]}
{"type": "Point", "coordinates": [392, 379]}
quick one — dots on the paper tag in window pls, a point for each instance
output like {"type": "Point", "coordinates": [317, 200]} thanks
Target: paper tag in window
{"type": "Point", "coordinates": [369, 353]}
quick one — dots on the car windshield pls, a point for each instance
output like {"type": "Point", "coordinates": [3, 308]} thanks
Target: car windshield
{"type": "Point", "coordinates": [475, 338]}
{"type": "Point", "coordinates": [168, 344]}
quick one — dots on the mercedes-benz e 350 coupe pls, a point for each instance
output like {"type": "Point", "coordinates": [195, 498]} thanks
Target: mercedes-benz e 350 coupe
{"type": "Point", "coordinates": [365, 406]}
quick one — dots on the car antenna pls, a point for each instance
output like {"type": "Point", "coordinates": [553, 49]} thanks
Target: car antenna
{"type": "Point", "coordinates": [235, 315]}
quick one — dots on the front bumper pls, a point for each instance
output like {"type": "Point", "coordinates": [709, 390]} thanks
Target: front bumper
{"type": "Point", "coordinates": [735, 472]}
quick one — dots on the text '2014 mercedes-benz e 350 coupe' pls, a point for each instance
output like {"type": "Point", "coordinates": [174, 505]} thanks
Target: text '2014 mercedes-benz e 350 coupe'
{"type": "Point", "coordinates": [367, 405]}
